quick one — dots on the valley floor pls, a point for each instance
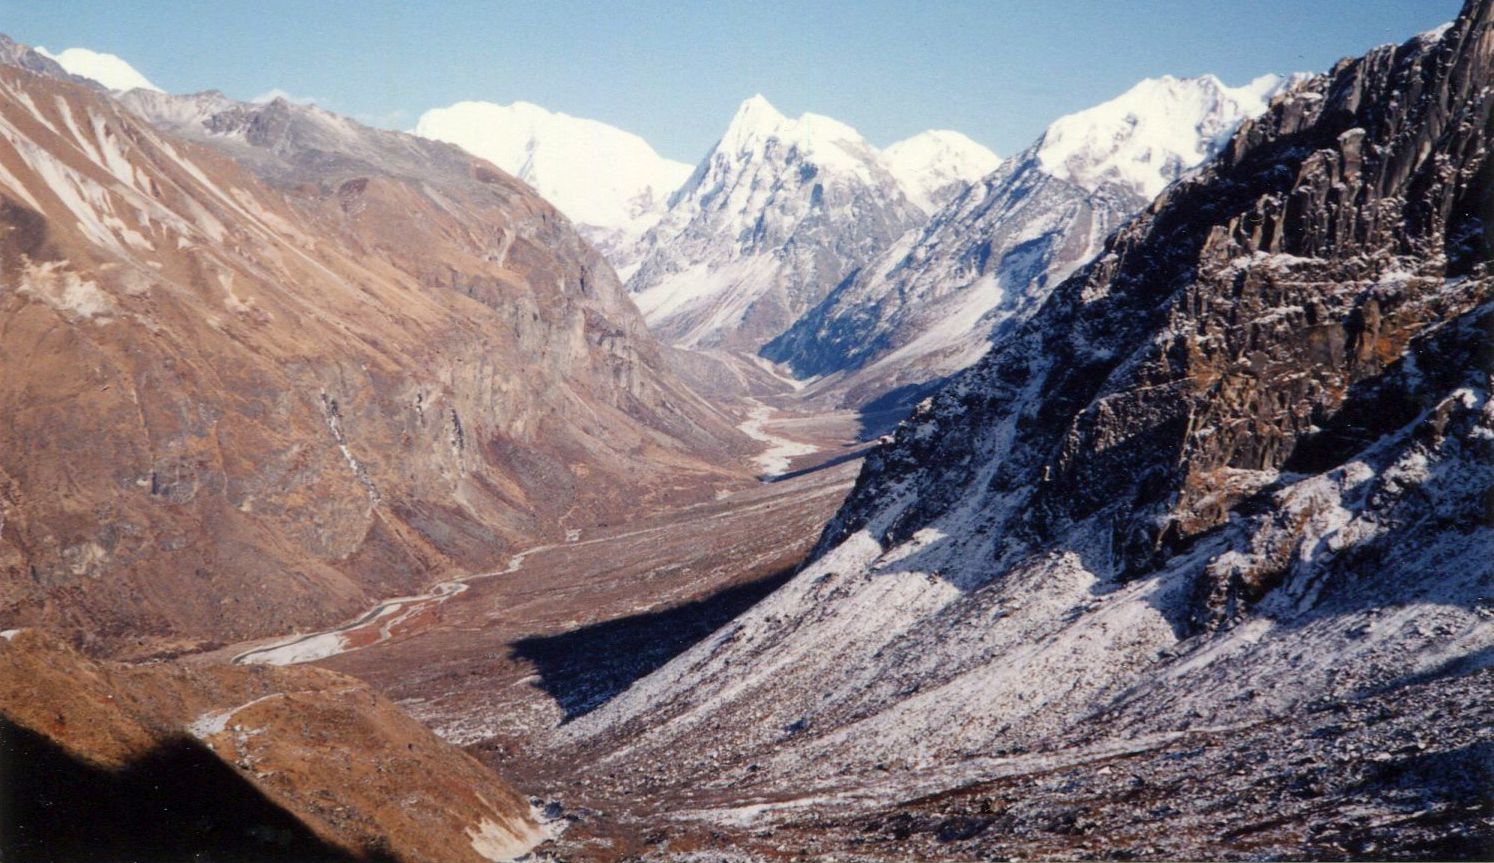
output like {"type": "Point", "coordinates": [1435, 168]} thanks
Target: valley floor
{"type": "Point", "coordinates": [500, 662]}
{"type": "Point", "coordinates": [497, 661]}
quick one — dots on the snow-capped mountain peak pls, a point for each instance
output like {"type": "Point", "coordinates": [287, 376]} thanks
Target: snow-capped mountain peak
{"type": "Point", "coordinates": [931, 303]}
{"type": "Point", "coordinates": [777, 213]}
{"type": "Point", "coordinates": [824, 141]}
{"type": "Point", "coordinates": [756, 118]}
{"type": "Point", "coordinates": [610, 182]}
{"type": "Point", "coordinates": [1153, 133]}
{"type": "Point", "coordinates": [935, 166]}
{"type": "Point", "coordinates": [107, 69]}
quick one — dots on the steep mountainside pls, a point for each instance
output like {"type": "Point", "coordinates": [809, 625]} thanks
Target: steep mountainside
{"type": "Point", "coordinates": [250, 394]}
{"type": "Point", "coordinates": [1233, 473]}
{"type": "Point", "coordinates": [777, 214]}
{"type": "Point", "coordinates": [609, 182]}
{"type": "Point", "coordinates": [930, 304]}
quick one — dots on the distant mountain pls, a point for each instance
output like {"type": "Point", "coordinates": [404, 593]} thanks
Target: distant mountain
{"type": "Point", "coordinates": [930, 303]}
{"type": "Point", "coordinates": [779, 212]}
{"type": "Point", "coordinates": [1153, 133]}
{"type": "Point", "coordinates": [934, 167]}
{"type": "Point", "coordinates": [111, 71]}
{"type": "Point", "coordinates": [611, 183]}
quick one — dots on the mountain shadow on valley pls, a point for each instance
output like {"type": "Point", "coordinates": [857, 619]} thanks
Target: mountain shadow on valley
{"type": "Point", "coordinates": [179, 802]}
{"type": "Point", "coordinates": [585, 668]}
{"type": "Point", "coordinates": [882, 414]}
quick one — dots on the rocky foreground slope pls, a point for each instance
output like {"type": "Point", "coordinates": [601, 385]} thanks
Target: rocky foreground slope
{"type": "Point", "coordinates": [1235, 472]}
{"type": "Point", "coordinates": [262, 366]}
{"type": "Point", "coordinates": [106, 761]}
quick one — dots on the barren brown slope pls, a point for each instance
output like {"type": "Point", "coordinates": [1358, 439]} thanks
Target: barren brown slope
{"type": "Point", "coordinates": [106, 761]}
{"type": "Point", "coordinates": [234, 408]}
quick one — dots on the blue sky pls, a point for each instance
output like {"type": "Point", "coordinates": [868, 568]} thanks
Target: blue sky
{"type": "Point", "coordinates": [673, 72]}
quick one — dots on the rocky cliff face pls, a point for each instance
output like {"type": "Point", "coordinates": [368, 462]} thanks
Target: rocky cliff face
{"type": "Point", "coordinates": [932, 303]}
{"type": "Point", "coordinates": [257, 381]}
{"type": "Point", "coordinates": [1235, 470]}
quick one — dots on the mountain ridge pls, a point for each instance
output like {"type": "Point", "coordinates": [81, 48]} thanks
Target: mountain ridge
{"type": "Point", "coordinates": [302, 336]}
{"type": "Point", "coordinates": [931, 303]}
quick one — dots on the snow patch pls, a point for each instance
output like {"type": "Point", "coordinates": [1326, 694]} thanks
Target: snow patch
{"type": "Point", "coordinates": [775, 460]}
{"type": "Point", "coordinates": [67, 292]}
{"type": "Point", "coordinates": [305, 650]}
{"type": "Point", "coordinates": [502, 842]}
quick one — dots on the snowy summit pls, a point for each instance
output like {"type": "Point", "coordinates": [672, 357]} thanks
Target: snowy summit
{"type": "Point", "coordinates": [1154, 132]}
{"type": "Point", "coordinates": [111, 71]}
{"type": "Point", "coordinates": [935, 166]}
{"type": "Point", "coordinates": [603, 178]}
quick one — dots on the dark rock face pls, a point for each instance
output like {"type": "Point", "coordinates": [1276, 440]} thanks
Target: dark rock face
{"type": "Point", "coordinates": [1181, 372]}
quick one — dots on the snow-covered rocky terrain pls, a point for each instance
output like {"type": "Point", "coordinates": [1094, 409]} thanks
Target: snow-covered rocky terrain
{"type": "Point", "coordinates": [778, 213]}
{"type": "Point", "coordinates": [1234, 472]}
{"type": "Point", "coordinates": [609, 182]}
{"type": "Point", "coordinates": [930, 304]}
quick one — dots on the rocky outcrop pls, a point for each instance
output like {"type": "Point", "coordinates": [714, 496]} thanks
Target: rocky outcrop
{"type": "Point", "coordinates": [257, 382]}
{"type": "Point", "coordinates": [1233, 472]}
{"type": "Point", "coordinates": [1218, 331]}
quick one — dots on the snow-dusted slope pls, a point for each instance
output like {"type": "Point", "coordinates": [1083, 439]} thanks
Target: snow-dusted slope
{"type": "Point", "coordinates": [930, 304]}
{"type": "Point", "coordinates": [934, 167]}
{"type": "Point", "coordinates": [1233, 471]}
{"type": "Point", "coordinates": [107, 69]}
{"type": "Point", "coordinates": [778, 213]}
{"type": "Point", "coordinates": [608, 181]}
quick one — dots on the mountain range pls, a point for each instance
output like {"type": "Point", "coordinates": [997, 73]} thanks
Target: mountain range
{"type": "Point", "coordinates": [1230, 480]}
{"type": "Point", "coordinates": [931, 303]}
{"type": "Point", "coordinates": [873, 274]}
{"type": "Point", "coordinates": [1179, 544]}
{"type": "Point", "coordinates": [870, 273]}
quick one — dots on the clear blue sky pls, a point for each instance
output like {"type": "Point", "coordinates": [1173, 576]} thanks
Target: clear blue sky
{"type": "Point", "coordinates": [673, 72]}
